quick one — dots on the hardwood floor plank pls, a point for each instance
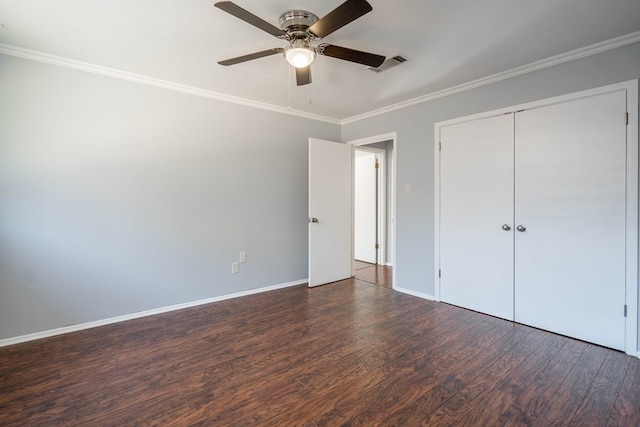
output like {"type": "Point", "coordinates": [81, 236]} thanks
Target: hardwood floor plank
{"type": "Point", "coordinates": [566, 400]}
{"type": "Point", "coordinates": [531, 398]}
{"type": "Point", "coordinates": [376, 274]}
{"type": "Point", "coordinates": [251, 368]}
{"type": "Point", "coordinates": [486, 377]}
{"type": "Point", "coordinates": [326, 412]}
{"type": "Point", "coordinates": [323, 369]}
{"type": "Point", "coordinates": [626, 409]}
{"type": "Point", "coordinates": [347, 353]}
{"type": "Point", "coordinates": [597, 405]}
{"type": "Point", "coordinates": [493, 406]}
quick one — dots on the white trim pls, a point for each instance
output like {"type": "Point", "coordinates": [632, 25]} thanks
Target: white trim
{"type": "Point", "coordinates": [153, 312]}
{"type": "Point", "coordinates": [150, 81]}
{"type": "Point", "coordinates": [514, 72]}
{"type": "Point", "coordinates": [628, 85]}
{"type": "Point", "coordinates": [436, 209]}
{"type": "Point", "coordinates": [632, 219]}
{"type": "Point", "coordinates": [373, 139]}
{"type": "Point", "coordinates": [391, 136]}
{"type": "Point", "coordinates": [562, 58]}
{"type": "Point", "coordinates": [631, 273]}
{"type": "Point", "coordinates": [415, 294]}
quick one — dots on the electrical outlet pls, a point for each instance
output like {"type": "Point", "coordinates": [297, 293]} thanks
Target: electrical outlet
{"type": "Point", "coordinates": [235, 268]}
{"type": "Point", "coordinates": [243, 257]}
{"type": "Point", "coordinates": [407, 188]}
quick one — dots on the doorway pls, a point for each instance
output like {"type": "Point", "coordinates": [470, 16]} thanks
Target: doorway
{"type": "Point", "coordinates": [369, 205]}
{"type": "Point", "coordinates": [374, 209]}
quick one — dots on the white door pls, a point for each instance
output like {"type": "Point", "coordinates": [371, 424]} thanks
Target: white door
{"type": "Point", "coordinates": [570, 197]}
{"type": "Point", "coordinates": [330, 211]}
{"type": "Point", "coordinates": [366, 207]}
{"type": "Point", "coordinates": [476, 216]}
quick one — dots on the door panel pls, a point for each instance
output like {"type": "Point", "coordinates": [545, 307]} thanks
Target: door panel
{"type": "Point", "coordinates": [570, 195]}
{"type": "Point", "coordinates": [330, 190]}
{"type": "Point", "coordinates": [365, 207]}
{"type": "Point", "coordinates": [476, 199]}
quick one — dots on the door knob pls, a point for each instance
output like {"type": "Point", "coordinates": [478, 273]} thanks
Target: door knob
{"type": "Point", "coordinates": [521, 228]}
{"type": "Point", "coordinates": [506, 227]}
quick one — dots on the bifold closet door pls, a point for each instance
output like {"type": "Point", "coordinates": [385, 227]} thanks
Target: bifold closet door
{"type": "Point", "coordinates": [570, 166]}
{"type": "Point", "coordinates": [476, 215]}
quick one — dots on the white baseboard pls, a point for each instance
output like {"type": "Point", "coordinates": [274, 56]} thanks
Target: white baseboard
{"type": "Point", "coordinates": [123, 318]}
{"type": "Point", "coordinates": [415, 294]}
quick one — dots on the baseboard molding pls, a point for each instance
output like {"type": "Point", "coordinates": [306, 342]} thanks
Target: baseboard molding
{"type": "Point", "coordinates": [73, 328]}
{"type": "Point", "coordinates": [415, 294]}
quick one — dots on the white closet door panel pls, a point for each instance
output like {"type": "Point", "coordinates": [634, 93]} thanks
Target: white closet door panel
{"type": "Point", "coordinates": [476, 199]}
{"type": "Point", "coordinates": [570, 196]}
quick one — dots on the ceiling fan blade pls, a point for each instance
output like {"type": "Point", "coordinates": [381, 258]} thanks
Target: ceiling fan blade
{"type": "Point", "coordinates": [358, 56]}
{"type": "Point", "coordinates": [251, 56]}
{"type": "Point", "coordinates": [250, 18]}
{"type": "Point", "coordinates": [303, 75]}
{"type": "Point", "coordinates": [347, 12]}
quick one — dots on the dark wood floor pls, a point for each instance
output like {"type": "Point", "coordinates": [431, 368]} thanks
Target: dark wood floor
{"type": "Point", "coordinates": [372, 273]}
{"type": "Point", "coordinates": [348, 353]}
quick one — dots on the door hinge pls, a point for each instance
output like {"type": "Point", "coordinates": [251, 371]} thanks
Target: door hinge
{"type": "Point", "coordinates": [439, 146]}
{"type": "Point", "coordinates": [626, 119]}
{"type": "Point", "coordinates": [440, 273]}
{"type": "Point", "coordinates": [625, 310]}
{"type": "Point", "coordinates": [377, 246]}
{"type": "Point", "coordinates": [377, 165]}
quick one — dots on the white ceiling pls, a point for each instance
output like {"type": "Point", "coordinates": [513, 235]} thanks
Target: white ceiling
{"type": "Point", "coordinates": [447, 43]}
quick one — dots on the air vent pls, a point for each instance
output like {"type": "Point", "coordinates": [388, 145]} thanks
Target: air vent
{"type": "Point", "coordinates": [389, 63]}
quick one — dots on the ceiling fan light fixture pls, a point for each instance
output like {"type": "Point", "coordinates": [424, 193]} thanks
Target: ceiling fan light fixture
{"type": "Point", "coordinates": [300, 54]}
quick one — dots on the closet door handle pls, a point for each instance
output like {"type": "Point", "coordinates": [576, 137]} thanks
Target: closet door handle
{"type": "Point", "coordinates": [506, 227]}
{"type": "Point", "coordinates": [521, 228]}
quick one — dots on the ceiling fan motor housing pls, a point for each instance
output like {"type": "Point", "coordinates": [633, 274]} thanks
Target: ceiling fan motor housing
{"type": "Point", "coordinates": [296, 22]}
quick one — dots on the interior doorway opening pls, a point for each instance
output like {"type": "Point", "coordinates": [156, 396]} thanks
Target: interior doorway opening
{"type": "Point", "coordinates": [369, 205]}
{"type": "Point", "coordinates": [374, 209]}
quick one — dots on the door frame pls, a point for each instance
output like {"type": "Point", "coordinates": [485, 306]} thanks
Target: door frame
{"type": "Point", "coordinates": [391, 198]}
{"type": "Point", "coordinates": [631, 238]}
{"type": "Point", "coordinates": [381, 205]}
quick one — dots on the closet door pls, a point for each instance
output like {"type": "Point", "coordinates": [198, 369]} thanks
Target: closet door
{"type": "Point", "coordinates": [570, 198]}
{"type": "Point", "coordinates": [476, 216]}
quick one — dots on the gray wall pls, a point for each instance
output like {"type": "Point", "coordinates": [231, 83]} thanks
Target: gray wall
{"type": "Point", "coordinates": [415, 132]}
{"type": "Point", "coordinates": [117, 197]}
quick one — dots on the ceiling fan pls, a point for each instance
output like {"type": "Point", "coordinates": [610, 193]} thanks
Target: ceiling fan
{"type": "Point", "coordinates": [300, 28]}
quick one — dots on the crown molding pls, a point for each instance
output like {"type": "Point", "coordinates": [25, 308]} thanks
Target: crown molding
{"type": "Point", "coordinates": [514, 72]}
{"type": "Point", "coordinates": [150, 81]}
